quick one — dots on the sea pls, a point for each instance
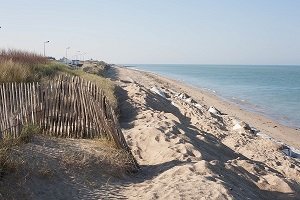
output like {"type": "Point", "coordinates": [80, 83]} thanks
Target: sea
{"type": "Point", "coordinates": [270, 90]}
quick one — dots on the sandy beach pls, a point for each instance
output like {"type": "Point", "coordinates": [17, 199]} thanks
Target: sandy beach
{"type": "Point", "coordinates": [150, 100]}
{"type": "Point", "coordinates": [192, 145]}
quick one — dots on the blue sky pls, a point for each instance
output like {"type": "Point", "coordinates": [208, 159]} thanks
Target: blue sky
{"type": "Point", "coordinates": [157, 31]}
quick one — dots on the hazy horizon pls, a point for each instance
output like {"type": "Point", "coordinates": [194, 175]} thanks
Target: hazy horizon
{"type": "Point", "coordinates": [205, 64]}
{"type": "Point", "coordinates": [157, 32]}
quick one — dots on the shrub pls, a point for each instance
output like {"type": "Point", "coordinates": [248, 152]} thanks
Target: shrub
{"type": "Point", "coordinates": [14, 72]}
{"type": "Point", "coordinates": [28, 132]}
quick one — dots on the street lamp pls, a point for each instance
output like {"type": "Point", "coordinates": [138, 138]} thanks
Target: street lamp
{"type": "Point", "coordinates": [45, 47]}
{"type": "Point", "coordinates": [77, 58]}
{"type": "Point", "coordinates": [83, 56]}
{"type": "Point", "coordinates": [67, 54]}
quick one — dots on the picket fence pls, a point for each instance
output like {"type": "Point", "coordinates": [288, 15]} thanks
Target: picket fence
{"type": "Point", "coordinates": [67, 106]}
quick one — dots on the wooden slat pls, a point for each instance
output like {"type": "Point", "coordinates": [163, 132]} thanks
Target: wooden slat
{"type": "Point", "coordinates": [45, 109]}
{"type": "Point", "coordinates": [2, 121]}
{"type": "Point", "coordinates": [64, 112]}
{"type": "Point", "coordinates": [60, 108]}
{"type": "Point", "coordinates": [53, 107]}
{"type": "Point", "coordinates": [5, 109]}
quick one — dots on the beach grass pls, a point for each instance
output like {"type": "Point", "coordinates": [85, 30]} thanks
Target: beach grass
{"type": "Point", "coordinates": [6, 144]}
{"type": "Point", "coordinates": [22, 66]}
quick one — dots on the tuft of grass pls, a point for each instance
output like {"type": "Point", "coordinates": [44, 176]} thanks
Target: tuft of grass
{"type": "Point", "coordinates": [14, 72]}
{"type": "Point", "coordinates": [120, 160]}
{"type": "Point", "coordinates": [45, 171]}
{"type": "Point", "coordinates": [6, 144]}
{"type": "Point", "coordinates": [6, 163]}
{"type": "Point", "coordinates": [27, 133]}
{"type": "Point", "coordinates": [106, 159]}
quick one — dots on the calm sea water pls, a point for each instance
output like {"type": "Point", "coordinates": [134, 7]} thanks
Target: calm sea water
{"type": "Point", "coordinates": [273, 91]}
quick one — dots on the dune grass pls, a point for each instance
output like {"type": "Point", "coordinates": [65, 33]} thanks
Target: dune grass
{"type": "Point", "coordinates": [106, 85]}
{"type": "Point", "coordinates": [21, 66]}
{"type": "Point", "coordinates": [23, 57]}
{"type": "Point", "coordinates": [26, 135]}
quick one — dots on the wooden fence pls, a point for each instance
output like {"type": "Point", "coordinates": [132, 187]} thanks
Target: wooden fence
{"type": "Point", "coordinates": [65, 107]}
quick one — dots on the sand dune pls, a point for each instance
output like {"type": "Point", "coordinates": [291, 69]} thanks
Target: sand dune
{"type": "Point", "coordinates": [189, 150]}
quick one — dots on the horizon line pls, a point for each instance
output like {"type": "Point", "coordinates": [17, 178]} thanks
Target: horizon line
{"type": "Point", "coordinates": [208, 64]}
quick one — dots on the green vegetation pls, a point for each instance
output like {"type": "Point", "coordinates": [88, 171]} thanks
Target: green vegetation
{"type": "Point", "coordinates": [94, 71]}
{"type": "Point", "coordinates": [106, 85]}
{"type": "Point", "coordinates": [26, 135]}
{"type": "Point", "coordinates": [96, 67]}
{"type": "Point", "coordinates": [20, 66]}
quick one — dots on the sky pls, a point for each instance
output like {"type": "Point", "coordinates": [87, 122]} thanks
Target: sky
{"type": "Point", "coordinates": [156, 31]}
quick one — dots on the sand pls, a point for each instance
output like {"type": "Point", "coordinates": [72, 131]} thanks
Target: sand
{"type": "Point", "coordinates": [50, 168]}
{"type": "Point", "coordinates": [188, 152]}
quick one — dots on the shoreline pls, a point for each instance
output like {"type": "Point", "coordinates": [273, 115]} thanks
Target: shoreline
{"type": "Point", "coordinates": [280, 133]}
{"type": "Point", "coordinates": [245, 105]}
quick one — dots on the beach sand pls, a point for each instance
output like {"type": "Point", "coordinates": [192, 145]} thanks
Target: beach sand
{"type": "Point", "coordinates": [188, 152]}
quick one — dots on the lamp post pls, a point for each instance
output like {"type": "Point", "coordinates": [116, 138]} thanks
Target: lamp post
{"type": "Point", "coordinates": [67, 54]}
{"type": "Point", "coordinates": [78, 53]}
{"type": "Point", "coordinates": [83, 56]}
{"type": "Point", "coordinates": [45, 47]}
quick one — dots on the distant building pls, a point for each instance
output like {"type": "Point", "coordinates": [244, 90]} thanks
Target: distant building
{"type": "Point", "coordinates": [65, 60]}
{"type": "Point", "coordinates": [76, 63]}
{"type": "Point", "coordinates": [51, 58]}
